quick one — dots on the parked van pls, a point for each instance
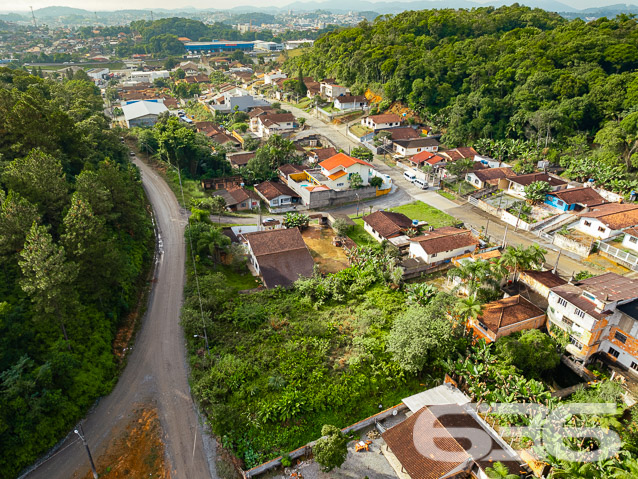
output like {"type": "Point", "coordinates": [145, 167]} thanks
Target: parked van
{"type": "Point", "coordinates": [408, 175]}
{"type": "Point", "coordinates": [421, 183]}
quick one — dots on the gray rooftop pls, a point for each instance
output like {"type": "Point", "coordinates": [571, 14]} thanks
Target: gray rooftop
{"type": "Point", "coordinates": [440, 395]}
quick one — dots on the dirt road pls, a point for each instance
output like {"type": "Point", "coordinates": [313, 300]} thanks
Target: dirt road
{"type": "Point", "coordinates": [156, 374]}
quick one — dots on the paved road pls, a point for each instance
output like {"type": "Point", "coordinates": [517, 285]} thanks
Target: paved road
{"type": "Point", "coordinates": [156, 374]}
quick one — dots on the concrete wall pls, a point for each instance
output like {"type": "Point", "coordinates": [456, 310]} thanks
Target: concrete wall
{"type": "Point", "coordinates": [596, 228]}
{"type": "Point", "coordinates": [571, 245]}
{"type": "Point", "coordinates": [511, 219]}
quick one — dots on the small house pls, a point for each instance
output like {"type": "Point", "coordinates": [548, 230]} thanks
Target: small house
{"type": "Point", "coordinates": [515, 185]}
{"type": "Point", "coordinates": [441, 245]}
{"type": "Point", "coordinates": [350, 102]}
{"type": "Point", "coordinates": [379, 122]}
{"type": "Point", "coordinates": [607, 220]}
{"type": "Point", "coordinates": [483, 178]}
{"type": "Point", "coordinates": [277, 195]}
{"type": "Point", "coordinates": [238, 199]}
{"type": "Point", "coordinates": [385, 225]}
{"type": "Point", "coordinates": [506, 316]}
{"type": "Point", "coordinates": [412, 147]}
{"type": "Point", "coordinates": [574, 199]}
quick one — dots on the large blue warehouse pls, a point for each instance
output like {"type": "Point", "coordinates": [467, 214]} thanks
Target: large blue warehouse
{"type": "Point", "coordinates": [219, 46]}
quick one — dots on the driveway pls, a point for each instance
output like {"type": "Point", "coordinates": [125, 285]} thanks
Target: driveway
{"type": "Point", "coordinates": [156, 374]}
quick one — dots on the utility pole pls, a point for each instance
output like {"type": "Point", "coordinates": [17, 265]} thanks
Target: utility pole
{"type": "Point", "coordinates": [520, 210]}
{"type": "Point", "coordinates": [560, 251]}
{"type": "Point", "coordinates": [504, 236]}
{"type": "Point", "coordinates": [88, 451]}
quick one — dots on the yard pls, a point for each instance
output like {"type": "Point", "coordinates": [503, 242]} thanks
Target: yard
{"type": "Point", "coordinates": [328, 257]}
{"type": "Point", "coordinates": [359, 235]}
{"type": "Point", "coordinates": [359, 130]}
{"type": "Point", "coordinates": [466, 188]}
{"type": "Point", "coordinates": [424, 212]}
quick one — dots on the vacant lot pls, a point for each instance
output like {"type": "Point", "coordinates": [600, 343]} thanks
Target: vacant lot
{"type": "Point", "coordinates": [423, 212]}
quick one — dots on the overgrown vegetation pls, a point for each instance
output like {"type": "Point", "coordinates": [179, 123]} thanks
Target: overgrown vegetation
{"type": "Point", "coordinates": [75, 239]}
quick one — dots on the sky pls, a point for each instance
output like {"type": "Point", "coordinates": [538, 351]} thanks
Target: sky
{"type": "Point", "coordinates": [23, 5]}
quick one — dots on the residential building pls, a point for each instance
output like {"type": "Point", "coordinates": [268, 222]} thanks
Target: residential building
{"type": "Point", "coordinates": [238, 199]}
{"type": "Point", "coordinates": [540, 282]}
{"type": "Point", "coordinates": [417, 145]}
{"type": "Point", "coordinates": [142, 113]}
{"type": "Point", "coordinates": [460, 153]}
{"type": "Point", "coordinates": [279, 256]}
{"type": "Point", "coordinates": [331, 90]}
{"type": "Point", "coordinates": [506, 316]}
{"type": "Point", "coordinates": [403, 133]}
{"type": "Point", "coordinates": [291, 170]}
{"type": "Point", "coordinates": [385, 225]}
{"type": "Point", "coordinates": [515, 185]}
{"type": "Point", "coordinates": [224, 183]}
{"type": "Point", "coordinates": [148, 77]}
{"type": "Point", "coordinates": [380, 122]}
{"type": "Point", "coordinates": [190, 68]}
{"type": "Point", "coordinates": [268, 123]}
{"type": "Point", "coordinates": [447, 441]}
{"type": "Point", "coordinates": [277, 195]}
{"type": "Point", "coordinates": [607, 220]}
{"type": "Point", "coordinates": [630, 240]}
{"type": "Point", "coordinates": [600, 314]}
{"type": "Point", "coordinates": [574, 199]}
{"type": "Point", "coordinates": [239, 160]}
{"type": "Point", "coordinates": [427, 158]}
{"type": "Point", "coordinates": [442, 245]}
{"type": "Point", "coordinates": [336, 172]}
{"type": "Point", "coordinates": [319, 154]}
{"type": "Point", "coordinates": [488, 177]}
{"type": "Point", "coordinates": [218, 46]}
{"type": "Point", "coordinates": [350, 102]}
{"type": "Point", "coordinates": [97, 74]}
{"type": "Point", "coordinates": [272, 76]}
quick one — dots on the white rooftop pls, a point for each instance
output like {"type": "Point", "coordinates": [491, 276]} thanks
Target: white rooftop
{"type": "Point", "coordinates": [142, 108]}
{"type": "Point", "coordinates": [443, 394]}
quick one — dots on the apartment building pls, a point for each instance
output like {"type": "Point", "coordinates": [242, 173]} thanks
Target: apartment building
{"type": "Point", "coordinates": [600, 314]}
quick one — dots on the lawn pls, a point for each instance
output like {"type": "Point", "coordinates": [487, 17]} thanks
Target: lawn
{"type": "Point", "coordinates": [445, 194]}
{"type": "Point", "coordinates": [359, 130]}
{"type": "Point", "coordinates": [465, 187]}
{"type": "Point", "coordinates": [192, 188]}
{"type": "Point", "coordinates": [238, 281]}
{"type": "Point", "coordinates": [359, 235]}
{"type": "Point", "coordinates": [424, 212]}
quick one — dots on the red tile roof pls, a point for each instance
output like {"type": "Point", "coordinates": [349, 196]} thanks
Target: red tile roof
{"type": "Point", "coordinates": [614, 215]}
{"type": "Point", "coordinates": [386, 118]}
{"type": "Point", "coordinates": [508, 311]}
{"type": "Point", "coordinates": [343, 160]}
{"type": "Point", "coordinates": [426, 157]}
{"type": "Point", "coordinates": [445, 239]}
{"type": "Point", "coordinates": [526, 180]}
{"type": "Point", "coordinates": [271, 190]}
{"type": "Point", "coordinates": [323, 153]}
{"type": "Point", "coordinates": [582, 196]}
{"type": "Point", "coordinates": [490, 174]}
{"type": "Point", "coordinates": [387, 223]}
{"type": "Point", "coordinates": [240, 159]}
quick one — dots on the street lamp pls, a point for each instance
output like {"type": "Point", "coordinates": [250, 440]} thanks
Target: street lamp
{"type": "Point", "coordinates": [86, 445]}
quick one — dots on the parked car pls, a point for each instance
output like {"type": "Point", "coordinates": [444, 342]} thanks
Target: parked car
{"type": "Point", "coordinates": [408, 175]}
{"type": "Point", "coordinates": [421, 183]}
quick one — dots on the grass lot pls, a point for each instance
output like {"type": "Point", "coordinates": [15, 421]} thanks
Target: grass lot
{"type": "Point", "coordinates": [465, 187]}
{"type": "Point", "coordinates": [445, 194]}
{"type": "Point", "coordinates": [423, 212]}
{"type": "Point", "coordinates": [360, 130]}
{"type": "Point", "coordinates": [359, 235]}
{"type": "Point", "coordinates": [200, 113]}
{"type": "Point", "coordinates": [192, 188]}
{"type": "Point", "coordinates": [235, 280]}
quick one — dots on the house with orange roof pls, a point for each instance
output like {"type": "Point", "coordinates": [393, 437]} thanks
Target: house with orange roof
{"type": "Point", "coordinates": [336, 172]}
{"type": "Point", "coordinates": [607, 220]}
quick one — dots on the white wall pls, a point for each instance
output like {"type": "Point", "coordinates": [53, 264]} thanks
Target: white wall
{"type": "Point", "coordinates": [416, 251]}
{"type": "Point", "coordinates": [372, 232]}
{"type": "Point", "coordinates": [630, 242]}
{"type": "Point", "coordinates": [595, 228]}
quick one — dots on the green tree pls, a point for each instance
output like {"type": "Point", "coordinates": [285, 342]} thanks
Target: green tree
{"type": "Point", "coordinates": [341, 227]}
{"type": "Point", "coordinates": [418, 337]}
{"type": "Point", "coordinates": [500, 471]}
{"type": "Point", "coordinates": [296, 220]}
{"type": "Point", "coordinates": [330, 451]}
{"type": "Point", "coordinates": [532, 351]}
{"type": "Point", "coordinates": [47, 276]}
{"type": "Point", "coordinates": [537, 191]}
{"type": "Point", "coordinates": [362, 153]}
{"type": "Point", "coordinates": [17, 215]}
{"type": "Point", "coordinates": [376, 181]}
{"type": "Point", "coordinates": [356, 181]}
{"type": "Point", "coordinates": [301, 85]}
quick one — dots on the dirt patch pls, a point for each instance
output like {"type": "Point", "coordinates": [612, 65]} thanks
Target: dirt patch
{"type": "Point", "coordinates": [137, 452]}
{"type": "Point", "coordinates": [328, 257]}
{"type": "Point", "coordinates": [598, 262]}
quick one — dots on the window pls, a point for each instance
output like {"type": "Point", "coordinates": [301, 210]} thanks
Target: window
{"type": "Point", "coordinates": [587, 223]}
{"type": "Point", "coordinates": [634, 366]}
{"type": "Point", "coordinates": [620, 337]}
{"type": "Point", "coordinates": [575, 342]}
{"type": "Point", "coordinates": [476, 182]}
{"type": "Point", "coordinates": [482, 325]}
{"type": "Point", "coordinates": [633, 239]}
{"type": "Point", "coordinates": [579, 312]}
{"type": "Point", "coordinates": [433, 255]}
{"type": "Point", "coordinates": [589, 296]}
{"type": "Point", "coordinates": [614, 352]}
{"type": "Point", "coordinates": [567, 322]}
{"type": "Point", "coordinates": [560, 202]}
{"type": "Point", "coordinates": [339, 184]}
{"type": "Point", "coordinates": [602, 229]}
{"type": "Point", "coordinates": [562, 302]}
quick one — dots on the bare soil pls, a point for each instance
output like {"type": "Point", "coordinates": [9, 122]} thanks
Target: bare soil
{"type": "Point", "coordinates": [138, 452]}
{"type": "Point", "coordinates": [329, 258]}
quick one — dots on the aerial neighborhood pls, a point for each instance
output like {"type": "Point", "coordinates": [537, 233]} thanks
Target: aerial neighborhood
{"type": "Point", "coordinates": [332, 244]}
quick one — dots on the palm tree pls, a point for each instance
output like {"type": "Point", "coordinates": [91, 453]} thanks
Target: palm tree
{"type": "Point", "coordinates": [627, 469]}
{"type": "Point", "coordinates": [500, 471]}
{"type": "Point", "coordinates": [213, 242]}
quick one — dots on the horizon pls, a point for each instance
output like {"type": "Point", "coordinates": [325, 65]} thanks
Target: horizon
{"type": "Point", "coordinates": [6, 6]}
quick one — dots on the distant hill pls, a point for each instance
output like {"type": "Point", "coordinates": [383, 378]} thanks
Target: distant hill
{"type": "Point", "coordinates": [60, 12]}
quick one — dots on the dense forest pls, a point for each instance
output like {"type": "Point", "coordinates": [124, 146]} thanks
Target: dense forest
{"type": "Point", "coordinates": [75, 240]}
{"type": "Point", "coordinates": [496, 73]}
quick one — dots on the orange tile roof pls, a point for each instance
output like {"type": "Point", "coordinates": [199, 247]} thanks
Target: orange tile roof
{"type": "Point", "coordinates": [341, 159]}
{"type": "Point", "coordinates": [338, 175]}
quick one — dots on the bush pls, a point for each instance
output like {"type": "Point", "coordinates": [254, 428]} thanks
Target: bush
{"type": "Point", "coordinates": [331, 450]}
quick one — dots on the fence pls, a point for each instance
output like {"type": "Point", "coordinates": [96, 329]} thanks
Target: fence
{"type": "Point", "coordinates": [581, 249]}
{"type": "Point", "coordinates": [622, 257]}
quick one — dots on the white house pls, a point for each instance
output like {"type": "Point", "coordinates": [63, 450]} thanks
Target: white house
{"type": "Point", "coordinates": [631, 239]}
{"type": "Point", "coordinates": [600, 315]}
{"type": "Point", "coordinates": [516, 184]}
{"type": "Point", "coordinates": [487, 177]}
{"type": "Point", "coordinates": [607, 220]}
{"type": "Point", "coordinates": [148, 77]}
{"type": "Point", "coordinates": [142, 113]}
{"type": "Point", "coordinates": [378, 122]}
{"type": "Point", "coordinates": [97, 74]}
{"type": "Point", "coordinates": [332, 91]}
{"type": "Point", "coordinates": [336, 172]}
{"type": "Point", "coordinates": [416, 145]}
{"type": "Point", "coordinates": [350, 102]}
{"type": "Point", "coordinates": [277, 195]}
{"type": "Point", "coordinates": [274, 75]}
{"type": "Point", "coordinates": [442, 244]}
{"type": "Point", "coordinates": [270, 123]}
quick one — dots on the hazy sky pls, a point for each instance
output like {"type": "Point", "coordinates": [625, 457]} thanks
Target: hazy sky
{"type": "Point", "coordinates": [13, 5]}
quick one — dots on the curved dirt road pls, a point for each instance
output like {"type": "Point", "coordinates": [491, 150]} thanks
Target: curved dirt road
{"type": "Point", "coordinates": [156, 374]}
